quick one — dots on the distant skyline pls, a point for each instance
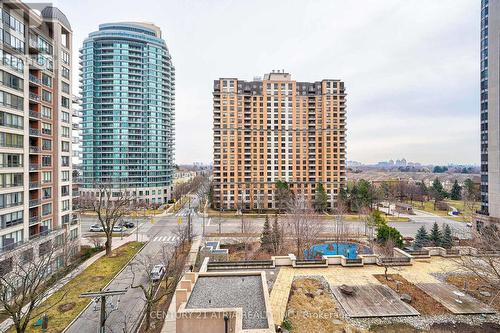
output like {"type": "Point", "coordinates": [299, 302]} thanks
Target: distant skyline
{"type": "Point", "coordinates": [411, 67]}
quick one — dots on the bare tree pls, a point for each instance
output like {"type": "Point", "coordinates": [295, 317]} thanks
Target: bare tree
{"type": "Point", "coordinates": [24, 283]}
{"type": "Point", "coordinates": [386, 250]}
{"type": "Point", "coordinates": [305, 225]}
{"type": "Point", "coordinates": [339, 211]}
{"type": "Point", "coordinates": [486, 264]}
{"type": "Point", "coordinates": [110, 205]}
{"type": "Point", "coordinates": [171, 257]}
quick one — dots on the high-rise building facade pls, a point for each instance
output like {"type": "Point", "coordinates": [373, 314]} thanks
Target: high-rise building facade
{"type": "Point", "coordinates": [277, 129]}
{"type": "Point", "coordinates": [128, 103]}
{"type": "Point", "coordinates": [490, 112]}
{"type": "Point", "coordinates": [35, 127]}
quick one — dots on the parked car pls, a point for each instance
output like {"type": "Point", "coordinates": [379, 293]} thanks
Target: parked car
{"type": "Point", "coordinates": [128, 224]}
{"type": "Point", "coordinates": [118, 228]}
{"type": "Point", "coordinates": [157, 272]}
{"type": "Point", "coordinates": [96, 228]}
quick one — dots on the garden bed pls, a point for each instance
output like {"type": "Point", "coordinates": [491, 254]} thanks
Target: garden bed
{"type": "Point", "coordinates": [67, 304]}
{"type": "Point", "coordinates": [311, 308]}
{"type": "Point", "coordinates": [422, 302]}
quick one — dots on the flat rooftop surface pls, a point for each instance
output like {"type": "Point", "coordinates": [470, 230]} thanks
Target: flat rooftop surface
{"type": "Point", "coordinates": [244, 292]}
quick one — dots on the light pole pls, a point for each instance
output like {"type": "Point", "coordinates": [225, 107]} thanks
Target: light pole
{"type": "Point", "coordinates": [100, 296]}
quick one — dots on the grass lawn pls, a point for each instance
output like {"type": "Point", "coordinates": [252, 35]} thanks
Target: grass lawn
{"type": "Point", "coordinates": [458, 204]}
{"type": "Point", "coordinates": [93, 278]}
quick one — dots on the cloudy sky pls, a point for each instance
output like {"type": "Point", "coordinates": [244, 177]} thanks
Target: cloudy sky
{"type": "Point", "coordinates": [411, 67]}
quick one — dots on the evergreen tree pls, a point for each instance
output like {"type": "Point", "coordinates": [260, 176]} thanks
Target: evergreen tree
{"type": "Point", "coordinates": [384, 233]}
{"type": "Point", "coordinates": [276, 234]}
{"type": "Point", "coordinates": [446, 239]}
{"type": "Point", "coordinates": [421, 238]}
{"type": "Point", "coordinates": [435, 236]}
{"type": "Point", "coordinates": [437, 191]}
{"type": "Point", "coordinates": [320, 198]}
{"type": "Point", "coordinates": [456, 191]}
{"type": "Point", "coordinates": [266, 238]}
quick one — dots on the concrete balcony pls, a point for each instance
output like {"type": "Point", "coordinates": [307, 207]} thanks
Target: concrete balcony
{"type": "Point", "coordinates": [34, 185]}
{"type": "Point", "coordinates": [34, 114]}
{"type": "Point", "coordinates": [34, 132]}
{"type": "Point", "coordinates": [34, 167]}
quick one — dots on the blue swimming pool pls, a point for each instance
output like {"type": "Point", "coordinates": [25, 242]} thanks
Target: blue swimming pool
{"type": "Point", "coordinates": [348, 250]}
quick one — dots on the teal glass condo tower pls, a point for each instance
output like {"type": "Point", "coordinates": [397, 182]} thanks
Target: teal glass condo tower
{"type": "Point", "coordinates": [128, 104]}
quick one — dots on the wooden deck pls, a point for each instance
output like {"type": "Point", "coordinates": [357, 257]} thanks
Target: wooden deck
{"type": "Point", "coordinates": [454, 300]}
{"type": "Point", "coordinates": [373, 300]}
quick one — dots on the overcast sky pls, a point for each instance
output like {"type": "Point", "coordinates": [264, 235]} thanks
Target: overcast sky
{"type": "Point", "coordinates": [411, 67]}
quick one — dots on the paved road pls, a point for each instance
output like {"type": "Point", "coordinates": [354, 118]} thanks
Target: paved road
{"type": "Point", "coordinates": [127, 314]}
{"type": "Point", "coordinates": [407, 229]}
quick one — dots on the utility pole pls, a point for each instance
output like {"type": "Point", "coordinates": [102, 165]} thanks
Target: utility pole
{"type": "Point", "coordinates": [101, 296]}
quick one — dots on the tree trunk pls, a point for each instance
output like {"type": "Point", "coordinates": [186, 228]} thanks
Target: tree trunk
{"type": "Point", "coordinates": [108, 244]}
{"type": "Point", "coordinates": [148, 315]}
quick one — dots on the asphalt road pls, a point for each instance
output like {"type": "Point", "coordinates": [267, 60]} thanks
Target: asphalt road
{"type": "Point", "coordinates": [407, 229]}
{"type": "Point", "coordinates": [126, 315]}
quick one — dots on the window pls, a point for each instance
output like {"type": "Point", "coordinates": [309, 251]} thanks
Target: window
{"type": "Point", "coordinates": [65, 87]}
{"type": "Point", "coordinates": [65, 73]}
{"type": "Point", "coordinates": [12, 101]}
{"type": "Point", "coordinates": [65, 146]}
{"type": "Point", "coordinates": [12, 61]}
{"type": "Point", "coordinates": [65, 219]}
{"type": "Point", "coordinates": [11, 180]}
{"type": "Point", "coordinates": [11, 140]}
{"type": "Point", "coordinates": [11, 81]}
{"type": "Point", "coordinates": [65, 176]}
{"type": "Point", "coordinates": [46, 209]}
{"type": "Point", "coordinates": [46, 144]}
{"type": "Point", "coordinates": [46, 192]}
{"type": "Point", "coordinates": [65, 57]}
{"type": "Point", "coordinates": [11, 199]}
{"type": "Point", "coordinates": [47, 128]}
{"type": "Point", "coordinates": [65, 102]}
{"type": "Point", "coordinates": [46, 96]}
{"type": "Point", "coordinates": [65, 117]}
{"type": "Point", "coordinates": [65, 132]}
{"type": "Point", "coordinates": [65, 205]}
{"type": "Point", "coordinates": [11, 160]}
{"type": "Point", "coordinates": [46, 176]}
{"type": "Point", "coordinates": [11, 120]}
{"type": "Point", "coordinates": [11, 219]}
{"type": "Point", "coordinates": [46, 112]}
{"type": "Point", "coordinates": [46, 160]}
{"type": "Point", "coordinates": [46, 80]}
{"type": "Point", "coordinates": [65, 161]}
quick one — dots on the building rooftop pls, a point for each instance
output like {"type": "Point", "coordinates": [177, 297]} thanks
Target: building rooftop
{"type": "Point", "coordinates": [238, 291]}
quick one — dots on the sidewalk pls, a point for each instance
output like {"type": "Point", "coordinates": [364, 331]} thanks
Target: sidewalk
{"type": "Point", "coordinates": [6, 324]}
{"type": "Point", "coordinates": [169, 325]}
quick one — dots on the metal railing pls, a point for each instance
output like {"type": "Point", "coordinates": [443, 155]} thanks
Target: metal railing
{"type": "Point", "coordinates": [35, 97]}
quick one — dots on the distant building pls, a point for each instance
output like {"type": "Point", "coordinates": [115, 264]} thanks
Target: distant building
{"type": "Point", "coordinates": [490, 113]}
{"type": "Point", "coordinates": [277, 129]}
{"type": "Point", "coordinates": [128, 102]}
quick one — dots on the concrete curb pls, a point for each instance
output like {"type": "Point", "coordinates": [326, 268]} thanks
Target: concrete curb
{"type": "Point", "coordinates": [106, 286]}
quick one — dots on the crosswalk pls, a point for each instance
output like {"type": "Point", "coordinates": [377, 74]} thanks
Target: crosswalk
{"type": "Point", "coordinates": [165, 239]}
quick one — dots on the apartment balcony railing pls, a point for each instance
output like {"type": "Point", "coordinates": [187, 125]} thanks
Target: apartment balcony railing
{"type": "Point", "coordinates": [34, 79]}
{"type": "Point", "coordinates": [35, 97]}
{"type": "Point", "coordinates": [34, 203]}
{"type": "Point", "coordinates": [34, 220]}
{"type": "Point", "coordinates": [34, 114]}
{"type": "Point", "coordinates": [35, 150]}
{"type": "Point", "coordinates": [34, 166]}
{"type": "Point", "coordinates": [34, 185]}
{"type": "Point", "coordinates": [34, 132]}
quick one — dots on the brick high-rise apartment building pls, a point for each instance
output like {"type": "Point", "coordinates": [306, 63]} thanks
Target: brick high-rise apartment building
{"type": "Point", "coordinates": [35, 128]}
{"type": "Point", "coordinates": [277, 129]}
